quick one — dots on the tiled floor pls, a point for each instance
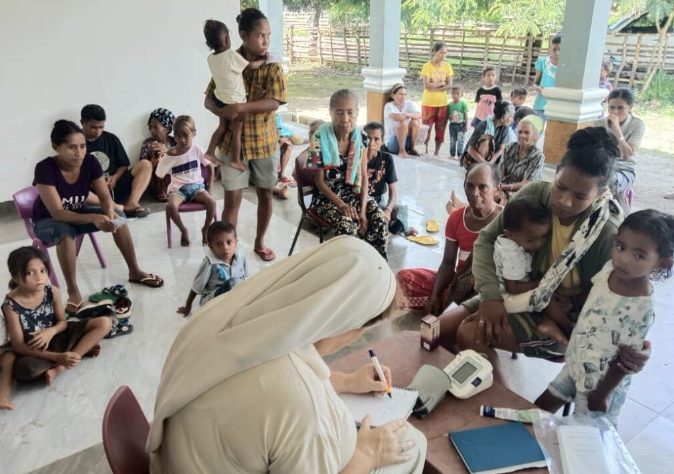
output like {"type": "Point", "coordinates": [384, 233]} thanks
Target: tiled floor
{"type": "Point", "coordinates": [53, 423]}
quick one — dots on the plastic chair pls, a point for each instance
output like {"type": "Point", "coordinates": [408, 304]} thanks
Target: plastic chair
{"type": "Point", "coordinates": [305, 188]}
{"type": "Point", "coordinates": [125, 431]}
{"type": "Point", "coordinates": [24, 201]}
{"type": "Point", "coordinates": [191, 206]}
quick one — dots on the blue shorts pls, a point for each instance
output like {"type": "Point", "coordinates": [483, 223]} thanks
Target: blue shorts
{"type": "Point", "coordinates": [564, 388]}
{"type": "Point", "coordinates": [189, 191]}
{"type": "Point", "coordinates": [51, 231]}
{"type": "Point", "coordinates": [393, 147]}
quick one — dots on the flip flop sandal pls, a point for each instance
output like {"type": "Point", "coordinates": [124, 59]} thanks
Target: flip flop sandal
{"type": "Point", "coordinates": [77, 307]}
{"type": "Point", "coordinates": [94, 310]}
{"type": "Point", "coordinates": [265, 254]}
{"type": "Point", "coordinates": [432, 226]}
{"type": "Point", "coordinates": [120, 328]}
{"type": "Point", "coordinates": [116, 290]}
{"type": "Point", "coordinates": [140, 211]}
{"type": "Point", "coordinates": [423, 239]}
{"type": "Point", "coordinates": [122, 307]}
{"type": "Point", "coordinates": [152, 281]}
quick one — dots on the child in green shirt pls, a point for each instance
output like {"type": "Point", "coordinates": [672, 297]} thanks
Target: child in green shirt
{"type": "Point", "coordinates": [457, 111]}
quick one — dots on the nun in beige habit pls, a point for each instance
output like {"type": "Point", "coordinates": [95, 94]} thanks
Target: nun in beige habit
{"type": "Point", "coordinates": [244, 388]}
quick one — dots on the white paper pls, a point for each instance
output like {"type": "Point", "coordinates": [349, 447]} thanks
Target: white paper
{"type": "Point", "coordinates": [381, 409]}
{"type": "Point", "coordinates": [582, 450]}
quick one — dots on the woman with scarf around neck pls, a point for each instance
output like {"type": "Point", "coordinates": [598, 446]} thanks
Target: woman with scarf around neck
{"type": "Point", "coordinates": [270, 403]}
{"type": "Point", "coordinates": [155, 147]}
{"type": "Point", "coordinates": [338, 153]}
{"type": "Point", "coordinates": [584, 221]}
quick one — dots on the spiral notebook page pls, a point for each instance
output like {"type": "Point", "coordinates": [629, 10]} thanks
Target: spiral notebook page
{"type": "Point", "coordinates": [381, 409]}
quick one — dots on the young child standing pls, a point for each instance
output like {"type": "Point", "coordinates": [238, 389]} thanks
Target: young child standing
{"type": "Point", "coordinates": [222, 268]}
{"type": "Point", "coordinates": [457, 110]}
{"type": "Point", "coordinates": [43, 342]}
{"type": "Point", "coordinates": [183, 162]}
{"type": "Point", "coordinates": [227, 67]}
{"type": "Point", "coordinates": [526, 225]}
{"type": "Point", "coordinates": [486, 96]}
{"type": "Point", "coordinates": [546, 73]}
{"type": "Point", "coordinates": [518, 96]}
{"type": "Point", "coordinates": [617, 313]}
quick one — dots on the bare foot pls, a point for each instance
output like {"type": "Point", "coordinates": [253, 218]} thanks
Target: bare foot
{"type": "Point", "coordinates": [238, 165]}
{"type": "Point", "coordinates": [403, 154]}
{"type": "Point", "coordinates": [548, 328]}
{"type": "Point", "coordinates": [94, 351]}
{"type": "Point", "coordinates": [5, 404]}
{"type": "Point", "coordinates": [52, 373]}
{"type": "Point", "coordinates": [184, 238]}
{"type": "Point", "coordinates": [210, 156]}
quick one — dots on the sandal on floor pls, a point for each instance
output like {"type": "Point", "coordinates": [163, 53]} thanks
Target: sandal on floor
{"type": "Point", "coordinates": [94, 310]}
{"type": "Point", "coordinates": [423, 239]}
{"type": "Point", "coordinates": [139, 211]}
{"type": "Point", "coordinates": [123, 307]}
{"type": "Point", "coordinates": [266, 254]}
{"type": "Point", "coordinates": [120, 327]}
{"type": "Point", "coordinates": [152, 281]}
{"type": "Point", "coordinates": [432, 226]}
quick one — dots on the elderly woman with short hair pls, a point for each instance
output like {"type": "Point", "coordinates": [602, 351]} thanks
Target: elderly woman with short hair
{"type": "Point", "coordinates": [522, 162]}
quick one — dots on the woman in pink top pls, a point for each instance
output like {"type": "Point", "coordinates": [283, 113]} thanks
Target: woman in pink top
{"type": "Point", "coordinates": [427, 289]}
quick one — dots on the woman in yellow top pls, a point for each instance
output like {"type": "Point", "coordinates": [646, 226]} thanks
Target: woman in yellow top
{"type": "Point", "coordinates": [437, 76]}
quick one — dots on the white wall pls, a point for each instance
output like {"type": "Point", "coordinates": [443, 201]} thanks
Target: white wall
{"type": "Point", "coordinates": [130, 56]}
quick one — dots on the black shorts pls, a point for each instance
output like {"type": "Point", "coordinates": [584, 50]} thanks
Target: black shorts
{"type": "Point", "coordinates": [122, 189]}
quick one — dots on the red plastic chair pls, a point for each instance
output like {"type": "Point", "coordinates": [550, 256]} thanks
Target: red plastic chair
{"type": "Point", "coordinates": [304, 178]}
{"type": "Point", "coordinates": [125, 431]}
{"type": "Point", "coordinates": [191, 206]}
{"type": "Point", "coordinates": [24, 201]}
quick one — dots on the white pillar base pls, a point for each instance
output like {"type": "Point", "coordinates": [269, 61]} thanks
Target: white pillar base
{"type": "Point", "coordinates": [381, 80]}
{"type": "Point", "coordinates": [574, 105]}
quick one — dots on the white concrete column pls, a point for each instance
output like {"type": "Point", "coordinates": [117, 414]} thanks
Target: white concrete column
{"type": "Point", "coordinates": [577, 96]}
{"type": "Point", "coordinates": [575, 101]}
{"type": "Point", "coordinates": [273, 9]}
{"type": "Point", "coordinates": [383, 70]}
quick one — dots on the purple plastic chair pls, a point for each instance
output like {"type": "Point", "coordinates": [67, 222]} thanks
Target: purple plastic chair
{"type": "Point", "coordinates": [125, 430]}
{"type": "Point", "coordinates": [24, 200]}
{"type": "Point", "coordinates": [191, 206]}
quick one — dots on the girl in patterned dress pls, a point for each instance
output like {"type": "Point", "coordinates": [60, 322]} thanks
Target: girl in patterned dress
{"type": "Point", "coordinates": [618, 313]}
{"type": "Point", "coordinates": [43, 342]}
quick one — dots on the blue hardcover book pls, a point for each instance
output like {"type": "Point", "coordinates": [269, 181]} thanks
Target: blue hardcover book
{"type": "Point", "coordinates": [500, 448]}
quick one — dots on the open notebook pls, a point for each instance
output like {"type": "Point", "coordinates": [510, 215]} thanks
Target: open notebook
{"type": "Point", "coordinates": [381, 409]}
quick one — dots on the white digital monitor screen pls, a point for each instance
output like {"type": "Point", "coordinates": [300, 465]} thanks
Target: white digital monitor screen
{"type": "Point", "coordinates": [463, 372]}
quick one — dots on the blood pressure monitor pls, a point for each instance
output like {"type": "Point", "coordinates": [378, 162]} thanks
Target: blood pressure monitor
{"type": "Point", "coordinates": [469, 374]}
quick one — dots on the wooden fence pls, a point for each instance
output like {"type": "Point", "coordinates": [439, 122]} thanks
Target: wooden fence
{"type": "Point", "coordinates": [470, 48]}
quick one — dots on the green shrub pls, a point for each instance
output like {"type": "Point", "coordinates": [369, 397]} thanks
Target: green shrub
{"type": "Point", "coordinates": [661, 89]}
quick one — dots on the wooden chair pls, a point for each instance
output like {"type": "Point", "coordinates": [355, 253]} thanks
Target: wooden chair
{"type": "Point", "coordinates": [304, 178]}
{"type": "Point", "coordinates": [191, 206]}
{"type": "Point", "coordinates": [24, 200]}
{"type": "Point", "coordinates": [125, 431]}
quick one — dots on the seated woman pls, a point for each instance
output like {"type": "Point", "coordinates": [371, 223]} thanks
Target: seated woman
{"type": "Point", "coordinates": [381, 170]}
{"type": "Point", "coordinates": [338, 153]}
{"type": "Point", "coordinates": [433, 291]}
{"type": "Point", "coordinates": [270, 404]}
{"type": "Point", "coordinates": [155, 147]}
{"type": "Point", "coordinates": [583, 225]}
{"type": "Point", "coordinates": [60, 213]}
{"type": "Point", "coordinates": [402, 120]}
{"type": "Point", "coordinates": [629, 131]}
{"type": "Point", "coordinates": [496, 126]}
{"type": "Point", "coordinates": [522, 161]}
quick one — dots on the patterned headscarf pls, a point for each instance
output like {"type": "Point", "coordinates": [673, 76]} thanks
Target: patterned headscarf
{"type": "Point", "coordinates": [164, 116]}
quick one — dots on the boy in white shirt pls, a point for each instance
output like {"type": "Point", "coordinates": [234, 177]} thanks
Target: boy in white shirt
{"type": "Point", "coordinates": [526, 224]}
{"type": "Point", "coordinates": [227, 67]}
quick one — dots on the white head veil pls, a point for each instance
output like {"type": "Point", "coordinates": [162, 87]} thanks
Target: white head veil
{"type": "Point", "coordinates": [323, 292]}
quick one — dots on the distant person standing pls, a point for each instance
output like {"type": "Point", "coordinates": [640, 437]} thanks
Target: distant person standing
{"type": "Point", "coordinates": [437, 76]}
{"type": "Point", "coordinates": [546, 75]}
{"type": "Point", "coordinates": [486, 96]}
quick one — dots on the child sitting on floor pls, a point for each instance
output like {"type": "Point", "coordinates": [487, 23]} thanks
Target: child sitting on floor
{"type": "Point", "coordinates": [526, 225]}
{"type": "Point", "coordinates": [43, 342]}
{"type": "Point", "coordinates": [617, 313]}
{"type": "Point", "coordinates": [222, 268]}
{"type": "Point", "coordinates": [227, 67]}
{"type": "Point", "coordinates": [183, 162]}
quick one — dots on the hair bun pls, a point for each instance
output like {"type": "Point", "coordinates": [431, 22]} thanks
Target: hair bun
{"type": "Point", "coordinates": [594, 137]}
